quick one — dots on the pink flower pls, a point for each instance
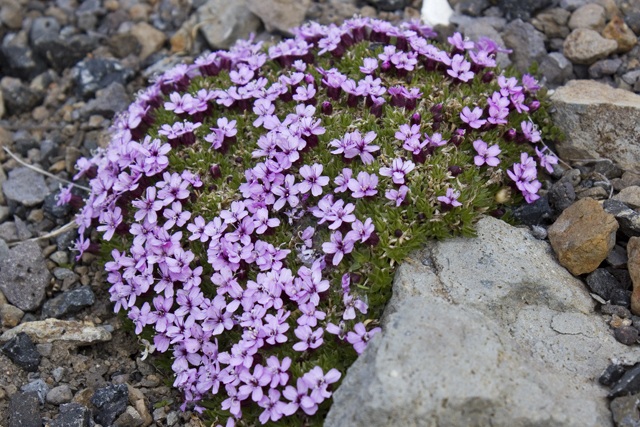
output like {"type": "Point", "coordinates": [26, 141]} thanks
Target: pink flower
{"type": "Point", "coordinates": [399, 168]}
{"type": "Point", "coordinates": [397, 196]}
{"type": "Point", "coordinates": [364, 186]}
{"type": "Point", "coordinates": [312, 179]}
{"type": "Point", "coordinates": [472, 118]}
{"type": "Point", "coordinates": [338, 247]}
{"type": "Point", "coordinates": [360, 147]}
{"type": "Point", "coordinates": [546, 160]}
{"type": "Point", "coordinates": [360, 338]}
{"type": "Point", "coordinates": [450, 199]}
{"type": "Point", "coordinates": [486, 155]}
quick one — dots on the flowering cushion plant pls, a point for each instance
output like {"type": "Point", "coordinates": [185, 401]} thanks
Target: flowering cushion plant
{"type": "Point", "coordinates": [255, 204]}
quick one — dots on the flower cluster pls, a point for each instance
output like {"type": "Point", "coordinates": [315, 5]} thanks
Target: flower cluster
{"type": "Point", "coordinates": [241, 210]}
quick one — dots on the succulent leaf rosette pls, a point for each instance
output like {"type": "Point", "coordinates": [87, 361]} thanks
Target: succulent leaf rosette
{"type": "Point", "coordinates": [254, 204]}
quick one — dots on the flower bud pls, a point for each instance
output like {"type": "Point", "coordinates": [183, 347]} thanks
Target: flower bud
{"type": "Point", "coordinates": [416, 118]}
{"type": "Point", "coordinates": [534, 106]}
{"type": "Point", "coordinates": [436, 109]}
{"type": "Point", "coordinates": [386, 66]}
{"type": "Point", "coordinates": [487, 77]}
{"type": "Point", "coordinates": [398, 233]}
{"type": "Point", "coordinates": [327, 108]}
{"type": "Point", "coordinates": [309, 79]}
{"type": "Point", "coordinates": [215, 171]}
{"type": "Point", "coordinates": [455, 170]}
{"type": "Point", "coordinates": [510, 135]}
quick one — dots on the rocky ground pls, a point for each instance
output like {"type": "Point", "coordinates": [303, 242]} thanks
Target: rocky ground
{"type": "Point", "coordinates": [68, 67]}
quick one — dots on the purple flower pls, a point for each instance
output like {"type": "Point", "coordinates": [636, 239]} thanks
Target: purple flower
{"type": "Point", "coordinates": [546, 160]}
{"type": "Point", "coordinates": [318, 382]}
{"type": "Point", "coordinates": [360, 231]}
{"type": "Point", "coordinates": [232, 403]}
{"type": "Point", "coordinates": [262, 222]}
{"type": "Point", "coordinates": [278, 371]}
{"type": "Point", "coordinates": [472, 118]}
{"type": "Point", "coordinates": [308, 338]}
{"type": "Point", "coordinates": [360, 147]}
{"type": "Point", "coordinates": [338, 247]}
{"type": "Point", "coordinates": [351, 303]}
{"type": "Point", "coordinates": [253, 383]}
{"type": "Point", "coordinates": [399, 168]}
{"type": "Point", "coordinates": [310, 315]}
{"type": "Point", "coordinates": [111, 220]}
{"type": "Point", "coordinates": [529, 83]}
{"type": "Point", "coordinates": [65, 195]}
{"type": "Point", "coordinates": [273, 407]}
{"type": "Point", "coordinates": [299, 399]}
{"type": "Point", "coordinates": [460, 68]}
{"type": "Point", "coordinates": [361, 337]}
{"type": "Point", "coordinates": [364, 186]}
{"type": "Point", "coordinates": [148, 206]}
{"type": "Point", "coordinates": [486, 155]}
{"type": "Point", "coordinates": [450, 200]}
{"type": "Point", "coordinates": [370, 65]}
{"type": "Point", "coordinates": [175, 216]}
{"type": "Point", "coordinates": [312, 179]}
{"type": "Point", "coordinates": [342, 180]}
{"type": "Point", "coordinates": [339, 213]}
{"type": "Point", "coordinates": [287, 193]}
{"type": "Point", "coordinates": [459, 43]}
{"type": "Point", "coordinates": [397, 196]}
{"type": "Point", "coordinates": [530, 132]}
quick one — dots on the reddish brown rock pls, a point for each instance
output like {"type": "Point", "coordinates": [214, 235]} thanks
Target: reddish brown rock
{"type": "Point", "coordinates": [583, 236]}
{"type": "Point", "coordinates": [619, 31]}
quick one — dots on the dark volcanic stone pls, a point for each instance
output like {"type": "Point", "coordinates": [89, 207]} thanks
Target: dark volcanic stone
{"type": "Point", "coordinates": [620, 297]}
{"type": "Point", "coordinates": [389, 4]}
{"type": "Point", "coordinates": [25, 186]}
{"type": "Point", "coordinates": [91, 75]}
{"type": "Point", "coordinates": [63, 53]}
{"type": "Point", "coordinates": [68, 303]}
{"type": "Point", "coordinates": [628, 219]}
{"type": "Point", "coordinates": [24, 410]}
{"type": "Point", "coordinates": [617, 310]}
{"type": "Point", "coordinates": [50, 207]}
{"type": "Point", "coordinates": [612, 374]}
{"type": "Point", "coordinates": [628, 384]}
{"type": "Point", "coordinates": [24, 276]}
{"type": "Point", "coordinates": [72, 415]}
{"type": "Point", "coordinates": [111, 401]}
{"type": "Point", "coordinates": [21, 62]}
{"type": "Point", "coordinates": [561, 195]}
{"type": "Point", "coordinates": [43, 27]}
{"type": "Point", "coordinates": [112, 99]}
{"type": "Point", "coordinates": [602, 283]}
{"type": "Point", "coordinates": [522, 9]}
{"type": "Point", "coordinates": [626, 334]}
{"type": "Point", "coordinates": [533, 213]}
{"type": "Point", "coordinates": [122, 45]}
{"type": "Point", "coordinates": [22, 352]}
{"type": "Point", "coordinates": [19, 97]}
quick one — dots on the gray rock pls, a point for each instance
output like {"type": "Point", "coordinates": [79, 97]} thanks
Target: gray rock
{"type": "Point", "coordinates": [483, 331]}
{"type": "Point", "coordinates": [59, 395]}
{"type": "Point", "coordinates": [602, 283]}
{"type": "Point", "coordinates": [223, 22]}
{"type": "Point", "coordinates": [631, 11]}
{"type": "Point", "coordinates": [64, 52]}
{"type": "Point", "coordinates": [61, 273]}
{"type": "Point", "coordinates": [91, 75]}
{"type": "Point", "coordinates": [521, 9]}
{"type": "Point", "coordinates": [24, 276]}
{"type": "Point", "coordinates": [625, 410]}
{"type": "Point", "coordinates": [22, 352]}
{"type": "Point", "coordinates": [25, 186]}
{"type": "Point", "coordinates": [43, 27]}
{"type": "Point", "coordinates": [586, 46]}
{"type": "Point", "coordinates": [556, 68]}
{"type": "Point", "coordinates": [59, 257]}
{"type": "Point", "coordinates": [598, 121]}
{"type": "Point", "coordinates": [283, 15]}
{"type": "Point", "coordinates": [4, 249]}
{"type": "Point", "coordinates": [631, 77]}
{"type": "Point", "coordinates": [612, 374]}
{"type": "Point", "coordinates": [627, 335]}
{"type": "Point", "coordinates": [572, 5]}
{"type": "Point", "coordinates": [72, 415]}
{"type": "Point", "coordinates": [628, 384]}
{"type": "Point", "coordinates": [112, 99]}
{"type": "Point", "coordinates": [111, 402]}
{"type": "Point", "coordinates": [21, 62]}
{"type": "Point", "coordinates": [389, 4]}
{"type": "Point", "coordinates": [39, 386]}
{"type": "Point", "coordinates": [50, 206]}
{"type": "Point", "coordinates": [474, 28]}
{"type": "Point", "coordinates": [628, 219]}
{"type": "Point", "coordinates": [23, 232]}
{"type": "Point", "coordinates": [533, 213]}
{"type": "Point", "coordinates": [526, 42]}
{"type": "Point", "coordinates": [590, 16]}
{"type": "Point", "coordinates": [604, 67]}
{"type": "Point", "coordinates": [8, 232]}
{"type": "Point", "coordinates": [130, 418]}
{"type": "Point", "coordinates": [618, 257]}
{"type": "Point", "coordinates": [68, 303]}
{"type": "Point", "coordinates": [66, 239]}
{"type": "Point", "coordinates": [472, 7]}
{"type": "Point", "coordinates": [18, 97]}
{"type": "Point", "coordinates": [561, 195]}
{"type": "Point", "coordinates": [24, 410]}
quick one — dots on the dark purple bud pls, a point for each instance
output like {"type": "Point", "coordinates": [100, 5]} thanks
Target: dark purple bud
{"type": "Point", "coordinates": [212, 187]}
{"type": "Point", "coordinates": [76, 201]}
{"type": "Point", "coordinates": [436, 109]}
{"type": "Point", "coordinates": [238, 160]}
{"type": "Point", "coordinates": [401, 73]}
{"type": "Point", "coordinates": [401, 43]}
{"type": "Point", "coordinates": [338, 51]}
{"type": "Point", "coordinates": [312, 101]}
{"type": "Point", "coordinates": [376, 110]}
{"type": "Point", "coordinates": [510, 135]}
{"type": "Point", "coordinates": [455, 170]}
{"type": "Point", "coordinates": [421, 216]}
{"type": "Point", "coordinates": [94, 248]}
{"type": "Point", "coordinates": [355, 277]}
{"type": "Point", "coordinates": [397, 233]}
{"type": "Point", "coordinates": [386, 66]}
{"type": "Point", "coordinates": [487, 77]}
{"type": "Point", "coordinates": [497, 213]}
{"type": "Point", "coordinates": [534, 106]}
{"type": "Point", "coordinates": [215, 171]}
{"type": "Point", "coordinates": [458, 137]}
{"type": "Point", "coordinates": [352, 100]}
{"type": "Point", "coordinates": [193, 197]}
{"type": "Point", "coordinates": [436, 126]}
{"type": "Point", "coordinates": [416, 119]}
{"type": "Point", "coordinates": [327, 108]}
{"type": "Point", "coordinates": [437, 117]}
{"type": "Point", "coordinates": [309, 79]}
{"type": "Point", "coordinates": [229, 179]}
{"type": "Point", "coordinates": [407, 79]}
{"type": "Point", "coordinates": [373, 240]}
{"type": "Point", "coordinates": [410, 104]}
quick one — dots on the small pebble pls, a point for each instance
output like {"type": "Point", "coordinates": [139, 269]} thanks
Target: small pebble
{"type": "Point", "coordinates": [626, 335]}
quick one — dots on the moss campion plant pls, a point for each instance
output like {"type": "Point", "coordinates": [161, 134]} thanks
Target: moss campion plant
{"type": "Point", "coordinates": [254, 205]}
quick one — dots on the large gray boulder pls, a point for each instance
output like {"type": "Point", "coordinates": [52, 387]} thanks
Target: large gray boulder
{"type": "Point", "coordinates": [485, 331]}
{"type": "Point", "coordinates": [598, 121]}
